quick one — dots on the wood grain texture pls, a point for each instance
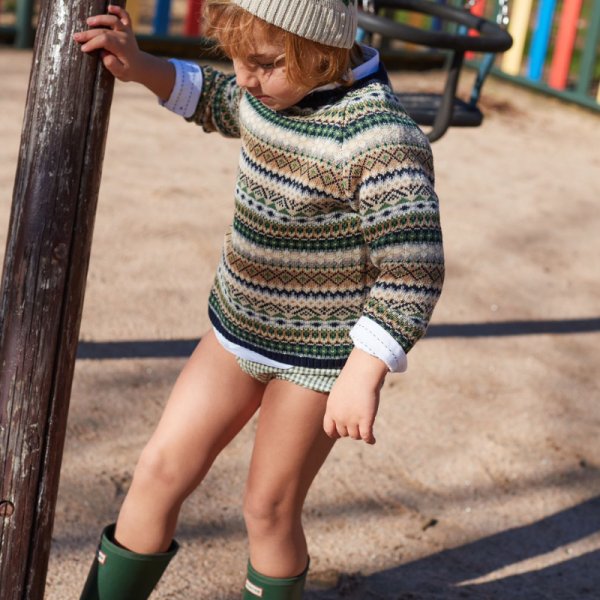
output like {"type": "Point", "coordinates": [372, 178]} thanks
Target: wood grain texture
{"type": "Point", "coordinates": [43, 283]}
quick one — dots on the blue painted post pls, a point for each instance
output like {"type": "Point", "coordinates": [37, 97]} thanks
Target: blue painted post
{"type": "Point", "coordinates": [438, 23]}
{"type": "Point", "coordinates": [541, 37]}
{"type": "Point", "coordinates": [161, 17]}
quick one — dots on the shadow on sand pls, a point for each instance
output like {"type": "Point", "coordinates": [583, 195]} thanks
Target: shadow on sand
{"type": "Point", "coordinates": [461, 573]}
{"type": "Point", "coordinates": [183, 348]}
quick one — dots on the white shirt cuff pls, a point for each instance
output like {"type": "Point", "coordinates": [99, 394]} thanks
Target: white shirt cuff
{"type": "Point", "coordinates": [188, 87]}
{"type": "Point", "coordinates": [373, 339]}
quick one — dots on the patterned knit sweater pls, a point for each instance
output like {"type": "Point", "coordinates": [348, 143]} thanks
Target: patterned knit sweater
{"type": "Point", "coordinates": [335, 219]}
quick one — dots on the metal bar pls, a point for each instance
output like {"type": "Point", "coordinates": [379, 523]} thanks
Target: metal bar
{"type": "Point", "coordinates": [444, 115]}
{"type": "Point", "coordinates": [565, 95]}
{"type": "Point", "coordinates": [25, 33]}
{"type": "Point", "coordinates": [590, 51]}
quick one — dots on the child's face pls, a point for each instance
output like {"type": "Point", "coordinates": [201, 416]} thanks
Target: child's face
{"type": "Point", "coordinates": [265, 78]}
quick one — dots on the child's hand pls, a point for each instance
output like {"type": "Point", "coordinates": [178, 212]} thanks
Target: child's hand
{"type": "Point", "coordinates": [354, 399]}
{"type": "Point", "coordinates": [118, 46]}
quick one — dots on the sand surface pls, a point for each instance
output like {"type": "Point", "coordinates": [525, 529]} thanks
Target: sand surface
{"type": "Point", "coordinates": [485, 481]}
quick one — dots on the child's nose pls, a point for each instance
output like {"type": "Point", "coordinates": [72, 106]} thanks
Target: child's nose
{"type": "Point", "coordinates": [245, 78]}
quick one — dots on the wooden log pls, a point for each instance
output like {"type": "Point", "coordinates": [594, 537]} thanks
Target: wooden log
{"type": "Point", "coordinates": [45, 268]}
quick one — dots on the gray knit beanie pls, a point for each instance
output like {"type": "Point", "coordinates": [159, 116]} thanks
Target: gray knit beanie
{"type": "Point", "coordinates": [330, 22]}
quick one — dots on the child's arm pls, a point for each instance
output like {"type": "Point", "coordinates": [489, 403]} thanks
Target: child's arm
{"type": "Point", "coordinates": [201, 95]}
{"type": "Point", "coordinates": [122, 57]}
{"type": "Point", "coordinates": [389, 169]}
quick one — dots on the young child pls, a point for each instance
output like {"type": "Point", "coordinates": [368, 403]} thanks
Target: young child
{"type": "Point", "coordinates": [329, 275]}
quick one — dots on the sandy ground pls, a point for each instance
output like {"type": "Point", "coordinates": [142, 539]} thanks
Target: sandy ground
{"type": "Point", "coordinates": [485, 481]}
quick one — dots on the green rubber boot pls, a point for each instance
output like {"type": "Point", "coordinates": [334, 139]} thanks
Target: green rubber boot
{"type": "Point", "coordinates": [118, 574]}
{"type": "Point", "coordinates": [269, 588]}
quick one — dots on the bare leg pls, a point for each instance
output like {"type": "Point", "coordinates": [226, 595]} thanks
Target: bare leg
{"type": "Point", "coordinates": [289, 450]}
{"type": "Point", "coordinates": [210, 402]}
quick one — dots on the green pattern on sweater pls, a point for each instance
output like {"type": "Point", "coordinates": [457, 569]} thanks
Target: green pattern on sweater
{"type": "Point", "coordinates": [335, 217]}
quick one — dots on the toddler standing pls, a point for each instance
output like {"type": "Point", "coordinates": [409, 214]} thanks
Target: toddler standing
{"type": "Point", "coordinates": [328, 276]}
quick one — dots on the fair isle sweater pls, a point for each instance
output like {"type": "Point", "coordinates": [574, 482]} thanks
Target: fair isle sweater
{"type": "Point", "coordinates": [336, 238]}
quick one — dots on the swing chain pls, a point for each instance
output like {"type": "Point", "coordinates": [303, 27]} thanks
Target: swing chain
{"type": "Point", "coordinates": [502, 18]}
{"type": "Point", "coordinates": [368, 6]}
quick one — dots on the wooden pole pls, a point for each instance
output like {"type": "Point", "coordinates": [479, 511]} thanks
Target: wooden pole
{"type": "Point", "coordinates": [45, 268]}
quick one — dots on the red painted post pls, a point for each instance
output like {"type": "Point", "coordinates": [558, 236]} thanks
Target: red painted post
{"type": "Point", "coordinates": [478, 10]}
{"type": "Point", "coordinates": [43, 283]}
{"type": "Point", "coordinates": [193, 18]}
{"type": "Point", "coordinates": [565, 42]}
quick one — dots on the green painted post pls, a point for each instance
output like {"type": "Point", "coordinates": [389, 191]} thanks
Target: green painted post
{"type": "Point", "coordinates": [24, 27]}
{"type": "Point", "coordinates": [588, 59]}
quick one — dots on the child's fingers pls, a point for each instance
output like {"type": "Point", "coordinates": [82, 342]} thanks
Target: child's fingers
{"type": "Point", "coordinates": [342, 430]}
{"type": "Point", "coordinates": [112, 63]}
{"type": "Point", "coordinates": [353, 432]}
{"type": "Point", "coordinates": [108, 42]}
{"type": "Point", "coordinates": [329, 427]}
{"type": "Point", "coordinates": [121, 13]}
{"type": "Point", "coordinates": [86, 36]}
{"type": "Point", "coordinates": [111, 21]}
{"type": "Point", "coordinates": [366, 433]}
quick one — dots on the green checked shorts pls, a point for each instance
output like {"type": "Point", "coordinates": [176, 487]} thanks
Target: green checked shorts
{"type": "Point", "coordinates": [320, 380]}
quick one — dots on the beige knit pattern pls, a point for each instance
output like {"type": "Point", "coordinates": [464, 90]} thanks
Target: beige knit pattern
{"type": "Point", "coordinates": [330, 22]}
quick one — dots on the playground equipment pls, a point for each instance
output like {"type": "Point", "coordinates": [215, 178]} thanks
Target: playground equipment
{"type": "Point", "coordinates": [440, 111]}
{"type": "Point", "coordinates": [555, 48]}
{"type": "Point", "coordinates": [45, 268]}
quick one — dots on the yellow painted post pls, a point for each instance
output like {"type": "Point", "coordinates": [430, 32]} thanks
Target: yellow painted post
{"type": "Point", "coordinates": [133, 7]}
{"type": "Point", "coordinates": [414, 20]}
{"type": "Point", "coordinates": [519, 24]}
{"type": "Point", "coordinates": [598, 96]}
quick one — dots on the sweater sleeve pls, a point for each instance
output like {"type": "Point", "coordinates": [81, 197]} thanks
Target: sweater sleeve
{"type": "Point", "coordinates": [391, 182]}
{"type": "Point", "coordinates": [206, 97]}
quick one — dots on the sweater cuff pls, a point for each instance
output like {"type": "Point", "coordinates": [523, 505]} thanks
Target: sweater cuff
{"type": "Point", "coordinates": [188, 88]}
{"type": "Point", "coordinates": [370, 337]}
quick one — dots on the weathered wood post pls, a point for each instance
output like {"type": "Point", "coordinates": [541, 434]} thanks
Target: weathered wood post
{"type": "Point", "coordinates": [43, 283]}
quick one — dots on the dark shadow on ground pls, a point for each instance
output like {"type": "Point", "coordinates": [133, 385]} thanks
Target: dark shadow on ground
{"type": "Point", "coordinates": [184, 348]}
{"type": "Point", "coordinates": [438, 577]}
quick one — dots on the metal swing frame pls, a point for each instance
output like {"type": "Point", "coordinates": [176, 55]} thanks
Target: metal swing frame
{"type": "Point", "coordinates": [445, 110]}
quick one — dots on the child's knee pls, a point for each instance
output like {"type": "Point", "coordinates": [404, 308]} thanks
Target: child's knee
{"type": "Point", "coordinates": [157, 469]}
{"type": "Point", "coordinates": [266, 511]}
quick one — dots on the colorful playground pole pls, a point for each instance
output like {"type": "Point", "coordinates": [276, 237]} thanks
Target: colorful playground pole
{"type": "Point", "coordinates": [479, 10]}
{"type": "Point", "coordinates": [193, 17]}
{"type": "Point", "coordinates": [565, 42]}
{"type": "Point", "coordinates": [45, 268]}
{"type": "Point", "coordinates": [133, 8]}
{"type": "Point", "coordinates": [24, 38]}
{"type": "Point", "coordinates": [541, 36]}
{"type": "Point", "coordinates": [438, 24]}
{"type": "Point", "coordinates": [161, 17]}
{"type": "Point", "coordinates": [519, 24]}
{"type": "Point", "coordinates": [590, 52]}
